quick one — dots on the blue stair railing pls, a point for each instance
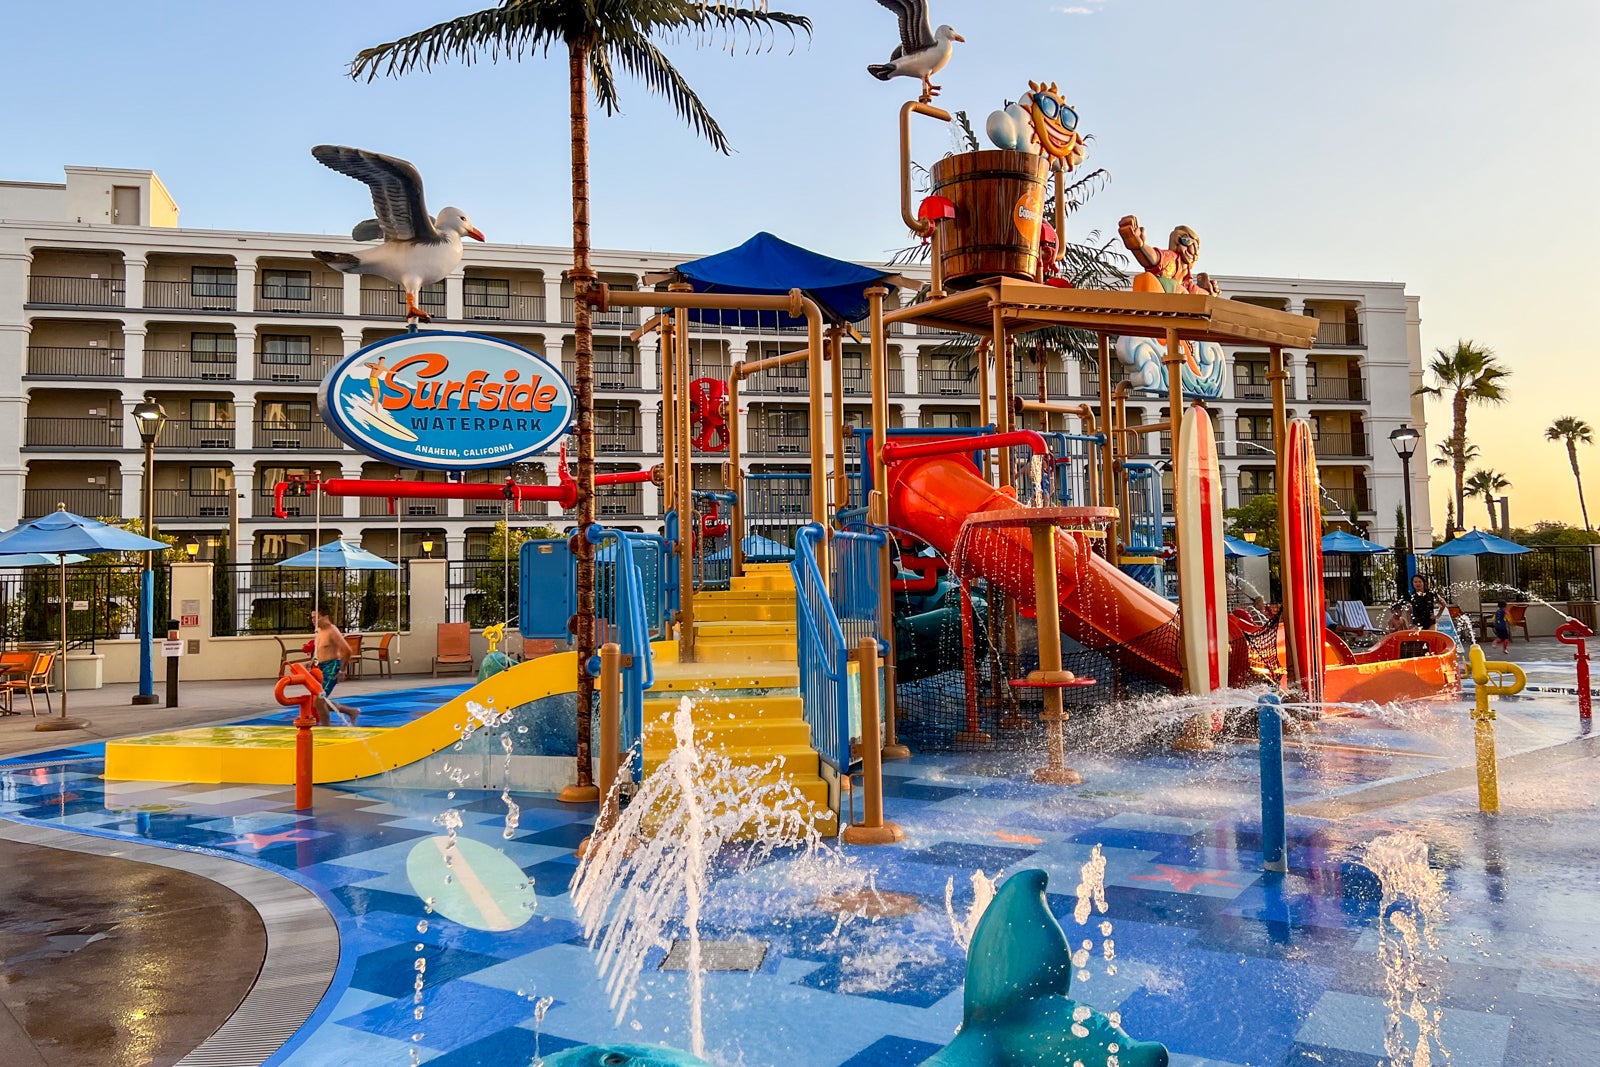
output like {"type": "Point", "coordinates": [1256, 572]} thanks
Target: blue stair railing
{"type": "Point", "coordinates": [628, 614]}
{"type": "Point", "coordinates": [832, 619]}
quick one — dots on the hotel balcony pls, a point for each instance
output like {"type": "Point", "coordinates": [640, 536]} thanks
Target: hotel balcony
{"type": "Point", "coordinates": [613, 371]}
{"type": "Point", "coordinates": [1341, 445]}
{"type": "Point", "coordinates": [1337, 389]}
{"type": "Point", "coordinates": [615, 319]}
{"type": "Point", "coordinates": [502, 295]}
{"type": "Point", "coordinates": [279, 434]}
{"type": "Point", "coordinates": [193, 435]}
{"type": "Point", "coordinates": [181, 364]}
{"type": "Point", "coordinates": [1055, 383]}
{"type": "Point", "coordinates": [309, 368]}
{"type": "Point", "coordinates": [193, 503]}
{"type": "Point", "coordinates": [90, 501]}
{"type": "Point", "coordinates": [380, 301]}
{"type": "Point", "coordinates": [777, 441]}
{"type": "Point", "coordinates": [57, 361]}
{"type": "Point", "coordinates": [186, 282]}
{"type": "Point", "coordinates": [61, 291]}
{"type": "Point", "coordinates": [948, 381]}
{"type": "Point", "coordinates": [298, 287]}
{"type": "Point", "coordinates": [49, 432]}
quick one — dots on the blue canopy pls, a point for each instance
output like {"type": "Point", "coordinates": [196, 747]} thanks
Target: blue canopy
{"type": "Point", "coordinates": [340, 555]}
{"type": "Point", "coordinates": [62, 531]}
{"type": "Point", "coordinates": [757, 549]}
{"type": "Point", "coordinates": [769, 266]}
{"type": "Point", "coordinates": [1235, 548]}
{"type": "Point", "coordinates": [40, 559]}
{"type": "Point", "coordinates": [1478, 543]}
{"type": "Point", "coordinates": [1345, 543]}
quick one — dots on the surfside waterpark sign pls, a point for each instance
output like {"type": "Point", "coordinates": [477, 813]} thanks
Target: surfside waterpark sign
{"type": "Point", "coordinates": [446, 401]}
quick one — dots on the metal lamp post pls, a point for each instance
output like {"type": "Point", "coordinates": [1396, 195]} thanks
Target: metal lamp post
{"type": "Point", "coordinates": [1405, 441]}
{"type": "Point", "coordinates": [148, 419]}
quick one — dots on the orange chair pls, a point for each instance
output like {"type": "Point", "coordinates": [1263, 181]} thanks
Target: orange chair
{"type": "Point", "coordinates": [353, 664]}
{"type": "Point", "coordinates": [14, 667]}
{"type": "Point", "coordinates": [453, 646]}
{"type": "Point", "coordinates": [36, 680]}
{"type": "Point", "coordinates": [1517, 616]}
{"type": "Point", "coordinates": [381, 655]}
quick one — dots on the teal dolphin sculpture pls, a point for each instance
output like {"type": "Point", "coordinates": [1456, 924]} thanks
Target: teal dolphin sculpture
{"type": "Point", "coordinates": [1017, 1009]}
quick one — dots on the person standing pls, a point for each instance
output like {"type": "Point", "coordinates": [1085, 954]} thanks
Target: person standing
{"type": "Point", "coordinates": [1502, 627]}
{"type": "Point", "coordinates": [332, 652]}
{"type": "Point", "coordinates": [1423, 602]}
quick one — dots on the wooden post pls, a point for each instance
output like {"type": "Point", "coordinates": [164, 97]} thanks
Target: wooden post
{"type": "Point", "coordinates": [684, 475]}
{"type": "Point", "coordinates": [1109, 451]}
{"type": "Point", "coordinates": [1277, 376]}
{"type": "Point", "coordinates": [610, 740]}
{"type": "Point", "coordinates": [735, 478]}
{"type": "Point", "coordinates": [1047, 610]}
{"type": "Point", "coordinates": [841, 475]}
{"type": "Point", "coordinates": [872, 829]}
{"type": "Point", "coordinates": [878, 509]}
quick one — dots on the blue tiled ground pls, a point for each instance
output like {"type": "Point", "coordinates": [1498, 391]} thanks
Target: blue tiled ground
{"type": "Point", "coordinates": [1228, 966]}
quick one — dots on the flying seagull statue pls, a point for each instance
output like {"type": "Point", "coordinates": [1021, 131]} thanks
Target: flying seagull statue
{"type": "Point", "coordinates": [922, 53]}
{"type": "Point", "coordinates": [417, 248]}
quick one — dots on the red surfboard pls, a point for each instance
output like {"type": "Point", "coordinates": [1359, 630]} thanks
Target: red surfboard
{"type": "Point", "coordinates": [1202, 579]}
{"type": "Point", "coordinates": [1303, 610]}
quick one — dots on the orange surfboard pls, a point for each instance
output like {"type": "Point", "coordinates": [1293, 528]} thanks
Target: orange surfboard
{"type": "Point", "coordinates": [1202, 578]}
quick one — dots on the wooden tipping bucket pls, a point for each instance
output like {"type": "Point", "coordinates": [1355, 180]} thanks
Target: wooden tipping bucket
{"type": "Point", "coordinates": [999, 199]}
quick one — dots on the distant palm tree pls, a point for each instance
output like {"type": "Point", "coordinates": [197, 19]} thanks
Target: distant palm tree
{"type": "Point", "coordinates": [598, 35]}
{"type": "Point", "coordinates": [1574, 431]}
{"type": "Point", "coordinates": [1471, 374]}
{"type": "Point", "coordinates": [1447, 453]}
{"type": "Point", "coordinates": [1488, 484]}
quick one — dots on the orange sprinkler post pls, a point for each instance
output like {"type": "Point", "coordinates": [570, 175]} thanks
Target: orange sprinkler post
{"type": "Point", "coordinates": [872, 829]}
{"type": "Point", "coordinates": [300, 675]}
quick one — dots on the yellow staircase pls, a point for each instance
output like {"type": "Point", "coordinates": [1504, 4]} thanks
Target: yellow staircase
{"type": "Point", "coordinates": [744, 685]}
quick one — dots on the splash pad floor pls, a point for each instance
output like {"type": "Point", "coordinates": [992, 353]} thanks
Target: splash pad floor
{"type": "Point", "coordinates": [1226, 965]}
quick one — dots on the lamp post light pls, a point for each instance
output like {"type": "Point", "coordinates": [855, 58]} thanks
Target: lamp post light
{"type": "Point", "coordinates": [427, 547]}
{"type": "Point", "coordinates": [148, 419]}
{"type": "Point", "coordinates": [192, 549]}
{"type": "Point", "coordinates": [1405, 441]}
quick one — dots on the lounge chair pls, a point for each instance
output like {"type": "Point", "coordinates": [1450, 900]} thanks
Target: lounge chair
{"type": "Point", "coordinates": [453, 647]}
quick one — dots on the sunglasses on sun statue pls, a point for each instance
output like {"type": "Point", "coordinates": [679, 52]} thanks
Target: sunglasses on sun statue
{"type": "Point", "coordinates": [1053, 109]}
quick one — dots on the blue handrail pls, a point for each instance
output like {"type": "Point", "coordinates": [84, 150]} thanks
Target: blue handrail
{"type": "Point", "coordinates": [829, 627]}
{"type": "Point", "coordinates": [631, 619]}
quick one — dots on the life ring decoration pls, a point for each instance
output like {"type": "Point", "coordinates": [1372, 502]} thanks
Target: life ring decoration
{"type": "Point", "coordinates": [708, 414]}
{"type": "Point", "coordinates": [1203, 364]}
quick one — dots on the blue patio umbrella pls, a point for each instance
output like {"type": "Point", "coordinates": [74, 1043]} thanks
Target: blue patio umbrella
{"type": "Point", "coordinates": [1478, 543]}
{"type": "Point", "coordinates": [757, 549]}
{"type": "Point", "coordinates": [1344, 543]}
{"type": "Point", "coordinates": [61, 534]}
{"type": "Point", "coordinates": [40, 559]}
{"type": "Point", "coordinates": [339, 555]}
{"type": "Point", "coordinates": [1238, 548]}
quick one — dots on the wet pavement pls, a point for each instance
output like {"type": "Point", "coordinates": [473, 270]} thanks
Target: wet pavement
{"type": "Point", "coordinates": [106, 962]}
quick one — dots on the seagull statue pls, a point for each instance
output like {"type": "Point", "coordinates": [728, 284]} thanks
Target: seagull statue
{"type": "Point", "coordinates": [417, 248]}
{"type": "Point", "coordinates": [923, 52]}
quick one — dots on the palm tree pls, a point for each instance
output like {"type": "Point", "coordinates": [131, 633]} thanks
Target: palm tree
{"type": "Point", "coordinates": [1471, 374]}
{"type": "Point", "coordinates": [1574, 431]}
{"type": "Point", "coordinates": [1447, 453]}
{"type": "Point", "coordinates": [1488, 484]}
{"type": "Point", "coordinates": [599, 36]}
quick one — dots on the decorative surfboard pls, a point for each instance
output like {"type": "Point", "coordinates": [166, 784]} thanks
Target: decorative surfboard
{"type": "Point", "coordinates": [1301, 512]}
{"type": "Point", "coordinates": [1202, 579]}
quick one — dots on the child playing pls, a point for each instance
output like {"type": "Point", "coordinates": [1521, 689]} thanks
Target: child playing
{"type": "Point", "coordinates": [1502, 628]}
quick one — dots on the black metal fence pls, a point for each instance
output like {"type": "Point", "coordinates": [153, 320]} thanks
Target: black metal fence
{"type": "Point", "coordinates": [263, 598]}
{"type": "Point", "coordinates": [1549, 572]}
{"type": "Point", "coordinates": [475, 592]}
{"type": "Point", "coordinates": [102, 603]}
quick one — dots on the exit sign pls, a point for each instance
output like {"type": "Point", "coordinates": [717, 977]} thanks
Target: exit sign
{"type": "Point", "coordinates": [189, 620]}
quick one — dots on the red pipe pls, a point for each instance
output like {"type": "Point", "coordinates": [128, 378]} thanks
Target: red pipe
{"type": "Point", "coordinates": [1572, 632]}
{"type": "Point", "coordinates": [896, 451]}
{"type": "Point", "coordinates": [623, 477]}
{"type": "Point", "coordinates": [565, 492]}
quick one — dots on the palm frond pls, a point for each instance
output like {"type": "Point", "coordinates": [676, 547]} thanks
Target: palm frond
{"type": "Point", "coordinates": [494, 33]}
{"type": "Point", "coordinates": [647, 63]}
{"type": "Point", "coordinates": [968, 138]}
{"type": "Point", "coordinates": [758, 27]}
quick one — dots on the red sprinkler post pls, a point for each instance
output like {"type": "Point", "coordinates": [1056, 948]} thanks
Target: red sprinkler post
{"type": "Point", "coordinates": [300, 675]}
{"type": "Point", "coordinates": [1572, 632]}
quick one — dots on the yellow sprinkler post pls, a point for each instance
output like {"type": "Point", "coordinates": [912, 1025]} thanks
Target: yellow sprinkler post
{"type": "Point", "coordinates": [494, 635]}
{"type": "Point", "coordinates": [1483, 719]}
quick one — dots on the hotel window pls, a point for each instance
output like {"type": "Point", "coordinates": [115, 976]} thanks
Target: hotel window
{"type": "Point", "coordinates": [210, 481]}
{"type": "Point", "coordinates": [210, 414]}
{"type": "Point", "coordinates": [486, 293]}
{"type": "Point", "coordinates": [286, 284]}
{"type": "Point", "coordinates": [947, 420]}
{"type": "Point", "coordinates": [212, 348]}
{"type": "Point", "coordinates": [211, 281]}
{"type": "Point", "coordinates": [286, 413]}
{"type": "Point", "coordinates": [284, 349]}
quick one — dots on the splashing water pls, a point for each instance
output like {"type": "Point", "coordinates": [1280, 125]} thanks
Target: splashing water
{"type": "Point", "coordinates": [1412, 905]}
{"type": "Point", "coordinates": [982, 893]}
{"type": "Point", "coordinates": [655, 863]}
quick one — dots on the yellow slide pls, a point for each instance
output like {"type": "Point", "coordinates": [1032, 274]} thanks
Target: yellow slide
{"type": "Point", "coordinates": [264, 755]}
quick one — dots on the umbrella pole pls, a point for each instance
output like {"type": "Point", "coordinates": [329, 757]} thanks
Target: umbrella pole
{"type": "Point", "coordinates": [63, 723]}
{"type": "Point", "coordinates": [316, 550]}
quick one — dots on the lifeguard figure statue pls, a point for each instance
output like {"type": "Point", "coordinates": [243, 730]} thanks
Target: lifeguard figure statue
{"type": "Point", "coordinates": [1166, 270]}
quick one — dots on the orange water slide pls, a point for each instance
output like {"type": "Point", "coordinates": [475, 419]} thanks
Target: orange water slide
{"type": "Point", "coordinates": [1100, 607]}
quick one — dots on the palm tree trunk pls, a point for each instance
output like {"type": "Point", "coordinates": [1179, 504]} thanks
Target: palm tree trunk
{"type": "Point", "coordinates": [583, 393]}
{"type": "Point", "coordinates": [1488, 503]}
{"type": "Point", "coordinates": [1458, 448]}
{"type": "Point", "coordinates": [1572, 455]}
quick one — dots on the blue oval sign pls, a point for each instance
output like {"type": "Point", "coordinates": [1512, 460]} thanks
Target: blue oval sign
{"type": "Point", "coordinates": [446, 401]}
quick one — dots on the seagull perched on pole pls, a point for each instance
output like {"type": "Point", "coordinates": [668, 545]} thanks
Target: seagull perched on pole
{"type": "Point", "coordinates": [922, 53]}
{"type": "Point", "coordinates": [417, 248]}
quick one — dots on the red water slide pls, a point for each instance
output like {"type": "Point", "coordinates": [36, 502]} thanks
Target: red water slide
{"type": "Point", "coordinates": [1101, 608]}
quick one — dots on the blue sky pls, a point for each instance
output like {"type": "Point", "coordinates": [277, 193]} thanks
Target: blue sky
{"type": "Point", "coordinates": [1447, 143]}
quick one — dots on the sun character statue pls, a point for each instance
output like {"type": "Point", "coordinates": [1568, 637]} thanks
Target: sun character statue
{"type": "Point", "coordinates": [1040, 122]}
{"type": "Point", "coordinates": [1170, 269]}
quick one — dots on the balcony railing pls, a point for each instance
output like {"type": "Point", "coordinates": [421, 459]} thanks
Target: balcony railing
{"type": "Point", "coordinates": [1341, 444]}
{"type": "Point", "coordinates": [947, 381]}
{"type": "Point", "coordinates": [77, 292]}
{"type": "Point", "coordinates": [391, 303]}
{"type": "Point", "coordinates": [618, 501]}
{"type": "Point", "coordinates": [43, 431]}
{"type": "Point", "coordinates": [92, 502]}
{"type": "Point", "coordinates": [494, 509]}
{"type": "Point", "coordinates": [277, 367]}
{"type": "Point", "coordinates": [618, 440]}
{"type": "Point", "coordinates": [300, 299]}
{"type": "Point", "coordinates": [60, 362]}
{"type": "Point", "coordinates": [778, 442]}
{"type": "Point", "coordinates": [411, 509]}
{"type": "Point", "coordinates": [191, 295]}
{"type": "Point", "coordinates": [195, 434]}
{"type": "Point", "coordinates": [1255, 387]}
{"type": "Point", "coordinates": [1338, 335]}
{"type": "Point", "coordinates": [858, 382]}
{"type": "Point", "coordinates": [1336, 389]}
{"type": "Point", "coordinates": [1055, 383]}
{"type": "Point", "coordinates": [515, 309]}
{"type": "Point", "coordinates": [191, 366]}
{"type": "Point", "coordinates": [1345, 497]}
{"type": "Point", "coordinates": [615, 375]}
{"type": "Point", "coordinates": [787, 380]}
{"type": "Point", "coordinates": [192, 503]}
{"type": "Point", "coordinates": [279, 434]}
{"type": "Point", "coordinates": [614, 319]}
{"type": "Point", "coordinates": [294, 507]}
